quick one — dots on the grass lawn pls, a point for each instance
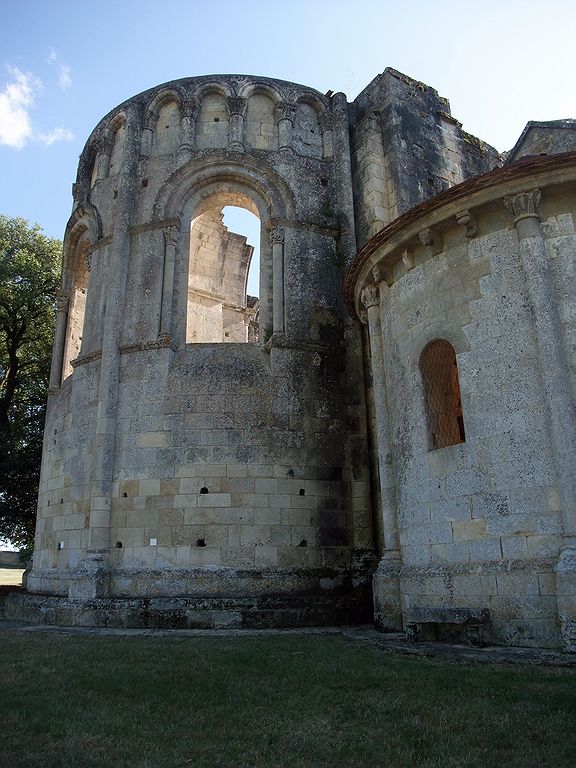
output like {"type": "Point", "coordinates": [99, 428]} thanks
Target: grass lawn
{"type": "Point", "coordinates": [154, 702]}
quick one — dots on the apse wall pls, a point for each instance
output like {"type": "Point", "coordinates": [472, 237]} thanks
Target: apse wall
{"type": "Point", "coordinates": [163, 457]}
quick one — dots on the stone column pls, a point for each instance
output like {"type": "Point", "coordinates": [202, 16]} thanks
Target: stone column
{"type": "Point", "coordinates": [343, 175]}
{"type": "Point", "coordinates": [285, 118]}
{"type": "Point", "coordinates": [148, 134]}
{"type": "Point", "coordinates": [237, 109]}
{"type": "Point", "coordinates": [171, 235]}
{"type": "Point", "coordinates": [371, 301]}
{"type": "Point", "coordinates": [359, 470]}
{"type": "Point", "coordinates": [103, 159]}
{"type": "Point", "coordinates": [557, 391]}
{"type": "Point", "coordinates": [188, 116]}
{"type": "Point", "coordinates": [103, 462]}
{"type": "Point", "coordinates": [386, 578]}
{"type": "Point", "coordinates": [277, 242]}
{"type": "Point", "coordinates": [62, 301]}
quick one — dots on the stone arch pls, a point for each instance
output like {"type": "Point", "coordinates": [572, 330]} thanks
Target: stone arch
{"type": "Point", "coordinates": [248, 89]}
{"type": "Point", "coordinates": [83, 231]}
{"type": "Point", "coordinates": [212, 185]}
{"type": "Point", "coordinates": [275, 197]}
{"type": "Point", "coordinates": [162, 97]}
{"type": "Point", "coordinates": [437, 330]}
{"type": "Point", "coordinates": [213, 118]}
{"type": "Point", "coordinates": [162, 122]}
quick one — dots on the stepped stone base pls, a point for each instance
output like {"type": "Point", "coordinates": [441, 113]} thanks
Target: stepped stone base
{"type": "Point", "coordinates": [267, 611]}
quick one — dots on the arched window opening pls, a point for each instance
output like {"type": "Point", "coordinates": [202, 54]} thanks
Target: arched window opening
{"type": "Point", "coordinates": [223, 304]}
{"type": "Point", "coordinates": [76, 307]}
{"type": "Point", "coordinates": [439, 371]}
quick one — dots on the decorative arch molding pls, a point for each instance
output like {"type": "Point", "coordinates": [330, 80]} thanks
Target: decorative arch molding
{"type": "Point", "coordinates": [213, 182]}
{"type": "Point", "coordinates": [84, 220]}
{"type": "Point", "coordinates": [220, 87]}
{"type": "Point", "coordinates": [314, 101]}
{"type": "Point", "coordinates": [437, 331]}
{"type": "Point", "coordinates": [253, 88]}
{"type": "Point", "coordinates": [117, 121]}
{"type": "Point", "coordinates": [84, 228]}
{"type": "Point", "coordinates": [162, 97]}
{"type": "Point", "coordinates": [203, 177]}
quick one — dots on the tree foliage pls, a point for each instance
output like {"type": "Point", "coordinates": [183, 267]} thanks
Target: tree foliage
{"type": "Point", "coordinates": [29, 269]}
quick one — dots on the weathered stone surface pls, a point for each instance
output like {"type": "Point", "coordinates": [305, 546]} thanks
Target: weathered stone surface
{"type": "Point", "coordinates": [212, 459]}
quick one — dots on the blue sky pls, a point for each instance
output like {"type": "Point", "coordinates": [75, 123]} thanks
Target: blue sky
{"type": "Point", "coordinates": [64, 65]}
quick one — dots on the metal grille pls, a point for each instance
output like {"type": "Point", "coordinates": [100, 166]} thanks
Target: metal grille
{"type": "Point", "coordinates": [442, 394]}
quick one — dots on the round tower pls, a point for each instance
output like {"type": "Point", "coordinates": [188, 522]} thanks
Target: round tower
{"type": "Point", "coordinates": [201, 463]}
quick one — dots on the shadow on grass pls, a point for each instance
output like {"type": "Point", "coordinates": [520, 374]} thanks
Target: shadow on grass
{"type": "Point", "coordinates": [271, 701]}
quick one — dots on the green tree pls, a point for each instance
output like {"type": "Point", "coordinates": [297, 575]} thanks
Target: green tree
{"type": "Point", "coordinates": [29, 269]}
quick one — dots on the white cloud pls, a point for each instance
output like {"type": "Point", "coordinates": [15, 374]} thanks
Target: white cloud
{"type": "Point", "coordinates": [64, 78]}
{"type": "Point", "coordinates": [58, 134]}
{"type": "Point", "coordinates": [15, 101]}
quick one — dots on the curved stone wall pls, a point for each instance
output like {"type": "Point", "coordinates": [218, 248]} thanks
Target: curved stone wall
{"type": "Point", "coordinates": [164, 457]}
{"type": "Point", "coordinates": [485, 526]}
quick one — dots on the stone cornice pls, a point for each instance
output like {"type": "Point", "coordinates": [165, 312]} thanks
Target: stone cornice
{"type": "Point", "coordinates": [530, 173]}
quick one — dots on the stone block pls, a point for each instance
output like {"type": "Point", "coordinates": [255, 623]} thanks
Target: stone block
{"type": "Point", "coordinates": [515, 584]}
{"type": "Point", "coordinates": [543, 546]}
{"type": "Point", "coordinates": [149, 487]}
{"type": "Point", "coordinates": [469, 530]}
{"type": "Point", "coordinates": [154, 439]}
{"type": "Point", "coordinates": [266, 555]}
{"type": "Point", "coordinates": [214, 500]}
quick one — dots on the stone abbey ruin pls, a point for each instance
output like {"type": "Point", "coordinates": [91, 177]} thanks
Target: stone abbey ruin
{"type": "Point", "coordinates": [385, 434]}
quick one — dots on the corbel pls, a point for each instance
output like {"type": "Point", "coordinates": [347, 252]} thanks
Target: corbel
{"type": "Point", "coordinates": [468, 221]}
{"type": "Point", "coordinates": [408, 259]}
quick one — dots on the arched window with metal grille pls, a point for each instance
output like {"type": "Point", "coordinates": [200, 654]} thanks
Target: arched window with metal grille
{"type": "Point", "coordinates": [439, 371]}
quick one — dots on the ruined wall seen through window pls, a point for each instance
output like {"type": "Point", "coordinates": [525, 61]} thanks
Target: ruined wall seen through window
{"type": "Point", "coordinates": [223, 303]}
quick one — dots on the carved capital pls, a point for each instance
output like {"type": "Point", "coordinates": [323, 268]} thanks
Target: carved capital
{"type": "Point", "coordinates": [426, 237]}
{"type": "Point", "coordinates": [468, 221]}
{"type": "Point", "coordinates": [277, 235]}
{"type": "Point", "coordinates": [285, 111]}
{"type": "Point", "coordinates": [237, 105]}
{"type": "Point", "coordinates": [370, 296]}
{"type": "Point", "coordinates": [524, 205]}
{"type": "Point", "coordinates": [62, 300]}
{"type": "Point", "coordinates": [189, 108]}
{"type": "Point", "coordinates": [171, 235]}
